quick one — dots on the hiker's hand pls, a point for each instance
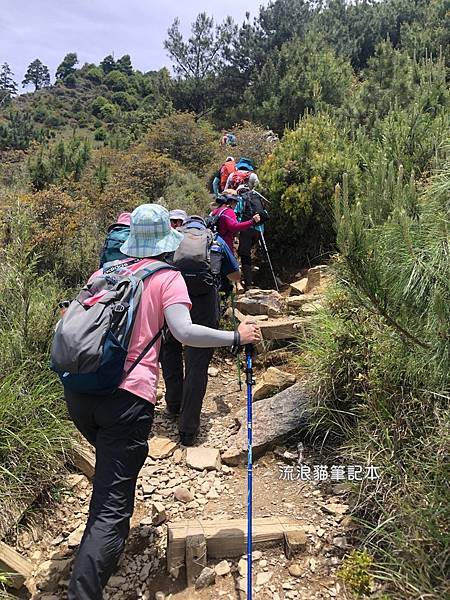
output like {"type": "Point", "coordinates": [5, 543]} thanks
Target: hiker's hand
{"type": "Point", "coordinates": [256, 218]}
{"type": "Point", "coordinates": [249, 332]}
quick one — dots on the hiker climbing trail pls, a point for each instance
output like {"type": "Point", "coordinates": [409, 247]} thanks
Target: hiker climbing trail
{"type": "Point", "coordinates": [207, 483]}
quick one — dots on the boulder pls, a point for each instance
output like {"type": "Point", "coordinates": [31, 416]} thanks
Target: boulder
{"type": "Point", "coordinates": [51, 572]}
{"type": "Point", "coordinates": [161, 447]}
{"type": "Point", "coordinates": [260, 302]}
{"type": "Point", "coordinates": [311, 307]}
{"type": "Point", "coordinates": [201, 458]}
{"type": "Point", "coordinates": [273, 419]}
{"type": "Point", "coordinates": [273, 380]}
{"type": "Point", "coordinates": [299, 287]}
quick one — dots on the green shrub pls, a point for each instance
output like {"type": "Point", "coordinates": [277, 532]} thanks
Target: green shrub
{"type": "Point", "coordinates": [251, 141]}
{"type": "Point", "coordinates": [100, 134]}
{"type": "Point", "coordinates": [94, 74]}
{"type": "Point", "coordinates": [187, 191]}
{"type": "Point", "coordinates": [64, 234]}
{"type": "Point", "coordinates": [109, 112]}
{"type": "Point", "coordinates": [355, 572]}
{"type": "Point", "coordinates": [97, 105]}
{"type": "Point", "coordinates": [184, 138]}
{"type": "Point", "coordinates": [125, 101]}
{"type": "Point", "coordinates": [299, 180]}
{"type": "Point", "coordinates": [116, 81]}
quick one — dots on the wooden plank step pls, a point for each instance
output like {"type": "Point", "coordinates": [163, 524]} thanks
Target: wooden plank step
{"type": "Point", "coordinates": [17, 567]}
{"type": "Point", "coordinates": [227, 538]}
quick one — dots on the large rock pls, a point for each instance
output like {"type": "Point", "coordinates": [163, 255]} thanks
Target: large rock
{"type": "Point", "coordinates": [299, 287]}
{"type": "Point", "coordinates": [260, 302]}
{"type": "Point", "coordinates": [201, 458]}
{"type": "Point", "coordinates": [273, 380]}
{"type": "Point", "coordinates": [161, 447]}
{"type": "Point", "coordinates": [232, 456]}
{"type": "Point", "coordinates": [282, 329]}
{"type": "Point", "coordinates": [273, 419]}
{"type": "Point", "coordinates": [294, 303]}
{"type": "Point", "coordinates": [316, 277]}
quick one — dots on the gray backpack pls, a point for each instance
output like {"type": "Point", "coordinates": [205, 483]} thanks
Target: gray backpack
{"type": "Point", "coordinates": [193, 259]}
{"type": "Point", "coordinates": [91, 340]}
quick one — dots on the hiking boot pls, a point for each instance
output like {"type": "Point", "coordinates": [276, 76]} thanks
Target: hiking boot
{"type": "Point", "coordinates": [188, 439]}
{"type": "Point", "coordinates": [172, 413]}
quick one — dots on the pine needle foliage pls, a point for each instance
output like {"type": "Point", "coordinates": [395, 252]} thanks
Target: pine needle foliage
{"type": "Point", "coordinates": [379, 359]}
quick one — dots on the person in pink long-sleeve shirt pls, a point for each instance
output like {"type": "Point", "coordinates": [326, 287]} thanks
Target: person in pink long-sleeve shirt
{"type": "Point", "coordinates": [228, 225]}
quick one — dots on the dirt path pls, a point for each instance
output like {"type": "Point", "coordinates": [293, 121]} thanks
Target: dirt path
{"type": "Point", "coordinates": [51, 537]}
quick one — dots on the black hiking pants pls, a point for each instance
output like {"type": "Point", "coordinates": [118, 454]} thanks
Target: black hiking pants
{"type": "Point", "coordinates": [247, 239]}
{"type": "Point", "coordinates": [118, 426]}
{"type": "Point", "coordinates": [186, 380]}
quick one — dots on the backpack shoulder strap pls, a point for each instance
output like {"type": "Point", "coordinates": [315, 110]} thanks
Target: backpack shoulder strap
{"type": "Point", "coordinates": [143, 274]}
{"type": "Point", "coordinates": [154, 268]}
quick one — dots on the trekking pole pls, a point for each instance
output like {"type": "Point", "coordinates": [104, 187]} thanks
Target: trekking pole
{"type": "Point", "coordinates": [238, 359]}
{"type": "Point", "coordinates": [264, 245]}
{"type": "Point", "coordinates": [250, 382]}
{"type": "Point", "coordinates": [261, 196]}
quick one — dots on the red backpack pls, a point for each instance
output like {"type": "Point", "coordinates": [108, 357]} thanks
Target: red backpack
{"type": "Point", "coordinates": [225, 170]}
{"type": "Point", "coordinates": [239, 178]}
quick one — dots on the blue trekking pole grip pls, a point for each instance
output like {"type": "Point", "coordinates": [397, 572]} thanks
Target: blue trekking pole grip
{"type": "Point", "coordinates": [250, 382]}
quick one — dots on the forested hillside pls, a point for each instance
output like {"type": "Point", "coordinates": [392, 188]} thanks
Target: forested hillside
{"type": "Point", "coordinates": [358, 95]}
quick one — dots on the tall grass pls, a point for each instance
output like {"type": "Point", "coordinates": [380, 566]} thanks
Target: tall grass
{"type": "Point", "coordinates": [34, 430]}
{"type": "Point", "coordinates": [34, 435]}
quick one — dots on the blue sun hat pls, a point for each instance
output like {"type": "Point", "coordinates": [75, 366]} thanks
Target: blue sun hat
{"type": "Point", "coordinates": [245, 164]}
{"type": "Point", "coordinates": [150, 232]}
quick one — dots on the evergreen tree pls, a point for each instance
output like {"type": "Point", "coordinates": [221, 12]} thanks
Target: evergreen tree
{"type": "Point", "coordinates": [37, 74]}
{"type": "Point", "coordinates": [198, 60]}
{"type": "Point", "coordinates": [8, 87]}
{"type": "Point", "coordinates": [124, 65]}
{"type": "Point", "coordinates": [67, 67]}
{"type": "Point", "coordinates": [108, 64]}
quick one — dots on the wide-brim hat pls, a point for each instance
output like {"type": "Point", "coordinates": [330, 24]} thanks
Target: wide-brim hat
{"type": "Point", "coordinates": [177, 214]}
{"type": "Point", "coordinates": [245, 163]}
{"type": "Point", "coordinates": [151, 233]}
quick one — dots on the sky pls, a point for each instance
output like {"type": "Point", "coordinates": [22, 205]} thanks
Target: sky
{"type": "Point", "coordinates": [49, 29]}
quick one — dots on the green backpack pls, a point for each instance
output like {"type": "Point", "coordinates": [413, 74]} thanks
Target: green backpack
{"type": "Point", "coordinates": [117, 235]}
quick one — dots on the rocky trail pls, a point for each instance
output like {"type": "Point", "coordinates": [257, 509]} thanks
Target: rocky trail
{"type": "Point", "coordinates": [208, 483]}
